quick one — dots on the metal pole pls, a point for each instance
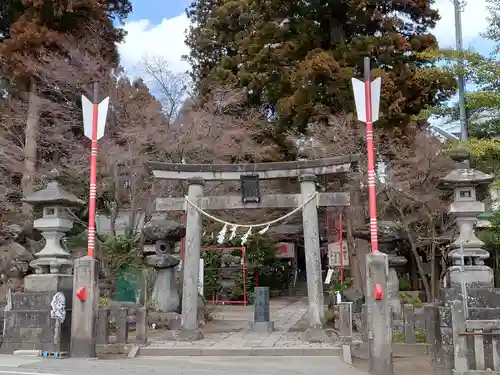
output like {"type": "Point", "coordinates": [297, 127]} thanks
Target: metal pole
{"type": "Point", "coordinates": [341, 251]}
{"type": "Point", "coordinates": [464, 286]}
{"type": "Point", "coordinates": [459, 6]}
{"type": "Point", "coordinates": [93, 172]}
{"type": "Point", "coordinates": [371, 157]}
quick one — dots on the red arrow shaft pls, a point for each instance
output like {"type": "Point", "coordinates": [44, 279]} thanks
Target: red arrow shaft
{"type": "Point", "coordinates": [93, 185]}
{"type": "Point", "coordinates": [372, 194]}
{"type": "Point", "coordinates": [341, 251]}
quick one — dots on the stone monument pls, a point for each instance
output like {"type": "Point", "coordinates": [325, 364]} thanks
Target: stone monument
{"type": "Point", "coordinates": [261, 320]}
{"type": "Point", "coordinates": [160, 236]}
{"type": "Point", "coordinates": [465, 209]}
{"type": "Point", "coordinates": [28, 322]}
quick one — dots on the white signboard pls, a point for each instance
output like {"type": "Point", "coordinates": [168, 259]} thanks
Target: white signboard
{"type": "Point", "coordinates": [201, 276]}
{"type": "Point", "coordinates": [329, 276]}
{"type": "Point", "coordinates": [334, 254]}
{"type": "Point", "coordinates": [286, 250]}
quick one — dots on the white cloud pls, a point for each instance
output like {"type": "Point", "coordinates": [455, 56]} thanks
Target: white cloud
{"type": "Point", "coordinates": [473, 22]}
{"type": "Point", "coordinates": [165, 39]}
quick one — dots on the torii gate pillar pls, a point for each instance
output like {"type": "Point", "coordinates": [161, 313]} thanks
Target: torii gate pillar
{"type": "Point", "coordinates": [191, 262]}
{"type": "Point", "coordinates": [312, 252]}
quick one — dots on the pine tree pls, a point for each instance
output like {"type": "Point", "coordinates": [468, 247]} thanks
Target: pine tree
{"type": "Point", "coordinates": [36, 27]}
{"type": "Point", "coordinates": [297, 58]}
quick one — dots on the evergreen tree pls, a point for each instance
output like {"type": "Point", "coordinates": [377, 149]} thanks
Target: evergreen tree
{"type": "Point", "coordinates": [36, 27]}
{"type": "Point", "coordinates": [297, 57]}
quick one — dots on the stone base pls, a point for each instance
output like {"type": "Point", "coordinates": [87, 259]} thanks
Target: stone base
{"type": "Point", "coordinates": [263, 327]}
{"type": "Point", "coordinates": [474, 276]}
{"type": "Point", "coordinates": [51, 282]}
{"type": "Point", "coordinates": [318, 335]}
{"type": "Point", "coordinates": [182, 334]}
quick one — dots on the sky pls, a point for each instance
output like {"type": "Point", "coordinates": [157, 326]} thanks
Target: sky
{"type": "Point", "coordinates": [157, 28]}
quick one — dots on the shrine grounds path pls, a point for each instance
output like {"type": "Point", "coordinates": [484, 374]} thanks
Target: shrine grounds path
{"type": "Point", "coordinates": [230, 334]}
{"type": "Point", "coordinates": [10, 365]}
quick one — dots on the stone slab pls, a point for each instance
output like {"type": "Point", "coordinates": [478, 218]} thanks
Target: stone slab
{"type": "Point", "coordinates": [243, 352]}
{"type": "Point", "coordinates": [183, 335]}
{"type": "Point", "coordinates": [318, 335]}
{"type": "Point", "coordinates": [44, 283]}
{"type": "Point", "coordinates": [475, 276]}
{"type": "Point", "coordinates": [476, 297]}
{"type": "Point", "coordinates": [134, 351]}
{"type": "Point", "coordinates": [360, 350]}
{"type": "Point", "coordinates": [261, 327]}
{"type": "Point", "coordinates": [17, 360]}
{"type": "Point", "coordinates": [33, 330]}
{"type": "Point", "coordinates": [31, 300]}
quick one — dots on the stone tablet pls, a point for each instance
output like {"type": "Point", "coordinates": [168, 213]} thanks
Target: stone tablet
{"type": "Point", "coordinates": [261, 305]}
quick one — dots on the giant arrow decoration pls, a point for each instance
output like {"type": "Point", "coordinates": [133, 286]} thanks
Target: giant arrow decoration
{"type": "Point", "coordinates": [94, 121]}
{"type": "Point", "coordinates": [367, 98]}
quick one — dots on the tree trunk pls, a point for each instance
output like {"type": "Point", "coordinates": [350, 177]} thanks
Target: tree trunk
{"type": "Point", "coordinates": [356, 273]}
{"type": "Point", "coordinates": [433, 262]}
{"type": "Point", "coordinates": [357, 252]}
{"type": "Point", "coordinates": [30, 146]}
{"type": "Point", "coordinates": [420, 268]}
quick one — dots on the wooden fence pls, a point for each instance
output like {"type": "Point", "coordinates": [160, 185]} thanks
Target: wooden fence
{"type": "Point", "coordinates": [476, 343]}
{"type": "Point", "coordinates": [118, 326]}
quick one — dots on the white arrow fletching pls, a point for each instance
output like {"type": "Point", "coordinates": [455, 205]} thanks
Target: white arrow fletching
{"type": "Point", "coordinates": [87, 109]}
{"type": "Point", "coordinates": [101, 117]}
{"type": "Point", "coordinates": [360, 99]}
{"type": "Point", "coordinates": [88, 114]}
{"type": "Point", "coordinates": [376, 86]}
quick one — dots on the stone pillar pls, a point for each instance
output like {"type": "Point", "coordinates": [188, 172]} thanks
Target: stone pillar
{"type": "Point", "coordinates": [85, 307]}
{"type": "Point", "coordinates": [379, 315]}
{"type": "Point", "coordinates": [191, 263]}
{"type": "Point", "coordinates": [393, 293]}
{"type": "Point", "coordinates": [312, 252]}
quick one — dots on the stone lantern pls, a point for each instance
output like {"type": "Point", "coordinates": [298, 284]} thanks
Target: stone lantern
{"type": "Point", "coordinates": [53, 266]}
{"type": "Point", "coordinates": [465, 209]}
{"type": "Point", "coordinates": [160, 236]}
{"type": "Point", "coordinates": [53, 269]}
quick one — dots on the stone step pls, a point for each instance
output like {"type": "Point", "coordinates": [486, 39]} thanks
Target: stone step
{"type": "Point", "coordinates": [31, 301]}
{"type": "Point", "coordinates": [273, 351]}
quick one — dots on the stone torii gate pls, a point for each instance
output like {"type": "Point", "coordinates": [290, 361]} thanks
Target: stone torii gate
{"type": "Point", "coordinates": [196, 174]}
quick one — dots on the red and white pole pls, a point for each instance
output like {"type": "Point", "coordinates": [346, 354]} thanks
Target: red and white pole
{"type": "Point", "coordinates": [372, 193]}
{"type": "Point", "coordinates": [93, 173]}
{"type": "Point", "coordinates": [341, 250]}
{"type": "Point", "coordinates": [367, 98]}
{"type": "Point", "coordinates": [94, 121]}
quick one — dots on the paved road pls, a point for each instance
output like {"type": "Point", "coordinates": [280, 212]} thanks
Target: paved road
{"type": "Point", "coordinates": [179, 366]}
